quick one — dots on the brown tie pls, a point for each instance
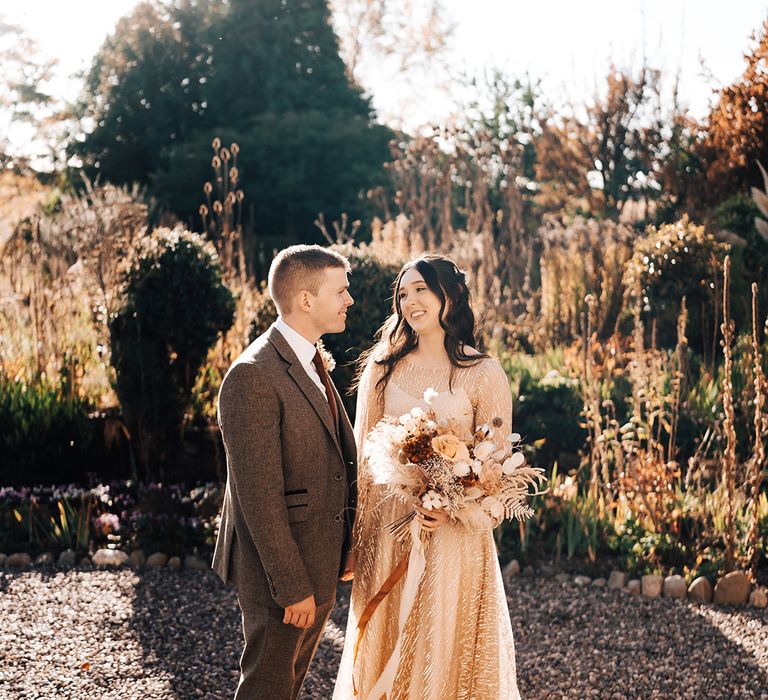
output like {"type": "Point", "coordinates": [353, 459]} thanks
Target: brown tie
{"type": "Point", "coordinates": [326, 380]}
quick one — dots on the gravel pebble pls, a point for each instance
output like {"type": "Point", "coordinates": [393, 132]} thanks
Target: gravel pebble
{"type": "Point", "coordinates": [159, 634]}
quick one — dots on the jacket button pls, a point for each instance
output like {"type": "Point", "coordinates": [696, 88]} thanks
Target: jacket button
{"type": "Point", "coordinates": [337, 476]}
{"type": "Point", "coordinates": [337, 518]}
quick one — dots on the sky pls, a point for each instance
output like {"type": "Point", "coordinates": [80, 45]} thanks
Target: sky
{"type": "Point", "coordinates": [566, 43]}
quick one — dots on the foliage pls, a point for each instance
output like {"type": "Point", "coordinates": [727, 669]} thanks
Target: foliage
{"type": "Point", "coordinates": [570, 525]}
{"type": "Point", "coordinates": [172, 519]}
{"type": "Point", "coordinates": [734, 137]}
{"type": "Point", "coordinates": [611, 156]}
{"type": "Point", "coordinates": [175, 519]}
{"type": "Point", "coordinates": [174, 307]}
{"type": "Point", "coordinates": [165, 82]}
{"type": "Point", "coordinates": [671, 262]}
{"type": "Point", "coordinates": [736, 218]}
{"type": "Point", "coordinates": [44, 431]}
{"type": "Point", "coordinates": [581, 257]}
{"type": "Point", "coordinates": [62, 268]}
{"type": "Point", "coordinates": [25, 98]}
{"type": "Point", "coordinates": [408, 39]}
{"type": "Point", "coordinates": [547, 407]}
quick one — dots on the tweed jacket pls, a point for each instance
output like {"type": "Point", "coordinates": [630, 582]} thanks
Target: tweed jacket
{"type": "Point", "coordinates": [290, 495]}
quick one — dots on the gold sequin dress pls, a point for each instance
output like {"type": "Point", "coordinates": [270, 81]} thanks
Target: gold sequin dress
{"type": "Point", "coordinates": [457, 641]}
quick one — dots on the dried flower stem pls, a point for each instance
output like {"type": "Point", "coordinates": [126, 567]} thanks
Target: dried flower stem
{"type": "Point", "coordinates": [758, 453]}
{"type": "Point", "coordinates": [729, 456]}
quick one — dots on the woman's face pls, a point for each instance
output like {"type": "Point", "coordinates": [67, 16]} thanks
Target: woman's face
{"type": "Point", "coordinates": [419, 305]}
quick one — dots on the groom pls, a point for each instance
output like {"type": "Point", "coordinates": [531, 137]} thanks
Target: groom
{"type": "Point", "coordinates": [291, 469]}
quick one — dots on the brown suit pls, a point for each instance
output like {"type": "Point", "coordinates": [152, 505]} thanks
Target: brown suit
{"type": "Point", "coordinates": [288, 509]}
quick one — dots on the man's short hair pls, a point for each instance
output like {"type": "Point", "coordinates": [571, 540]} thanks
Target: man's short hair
{"type": "Point", "coordinates": [298, 268]}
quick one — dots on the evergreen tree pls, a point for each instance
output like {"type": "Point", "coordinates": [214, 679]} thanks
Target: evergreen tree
{"type": "Point", "coordinates": [263, 73]}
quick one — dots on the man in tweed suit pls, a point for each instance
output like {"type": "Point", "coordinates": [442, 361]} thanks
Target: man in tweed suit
{"type": "Point", "coordinates": [291, 469]}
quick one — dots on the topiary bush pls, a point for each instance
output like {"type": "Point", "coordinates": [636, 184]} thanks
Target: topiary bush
{"type": "Point", "coordinates": [174, 306]}
{"type": "Point", "coordinates": [670, 262]}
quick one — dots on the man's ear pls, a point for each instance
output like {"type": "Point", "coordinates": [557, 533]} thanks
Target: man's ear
{"type": "Point", "coordinates": [304, 300]}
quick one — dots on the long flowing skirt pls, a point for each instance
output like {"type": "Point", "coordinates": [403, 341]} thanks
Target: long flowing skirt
{"type": "Point", "coordinates": [457, 641]}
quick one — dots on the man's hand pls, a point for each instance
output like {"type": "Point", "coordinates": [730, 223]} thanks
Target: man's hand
{"type": "Point", "coordinates": [301, 614]}
{"type": "Point", "coordinates": [349, 567]}
{"type": "Point", "coordinates": [430, 520]}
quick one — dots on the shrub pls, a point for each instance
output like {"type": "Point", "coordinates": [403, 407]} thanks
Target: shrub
{"type": "Point", "coordinates": [670, 262]}
{"type": "Point", "coordinates": [174, 306]}
{"type": "Point", "coordinates": [547, 408]}
{"type": "Point", "coordinates": [45, 432]}
{"type": "Point", "coordinates": [737, 215]}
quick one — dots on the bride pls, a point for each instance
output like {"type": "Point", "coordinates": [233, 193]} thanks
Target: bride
{"type": "Point", "coordinates": [456, 642]}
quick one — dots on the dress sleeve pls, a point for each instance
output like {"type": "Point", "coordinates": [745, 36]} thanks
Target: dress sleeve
{"type": "Point", "coordinates": [493, 403]}
{"type": "Point", "coordinates": [369, 408]}
{"type": "Point", "coordinates": [369, 411]}
{"type": "Point", "coordinates": [493, 399]}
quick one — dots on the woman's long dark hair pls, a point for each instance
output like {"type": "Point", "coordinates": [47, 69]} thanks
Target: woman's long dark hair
{"type": "Point", "coordinates": [395, 339]}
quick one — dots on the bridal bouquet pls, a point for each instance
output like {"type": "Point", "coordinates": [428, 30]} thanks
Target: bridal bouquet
{"type": "Point", "coordinates": [439, 464]}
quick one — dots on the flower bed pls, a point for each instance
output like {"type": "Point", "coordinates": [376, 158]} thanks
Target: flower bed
{"type": "Point", "coordinates": [174, 518]}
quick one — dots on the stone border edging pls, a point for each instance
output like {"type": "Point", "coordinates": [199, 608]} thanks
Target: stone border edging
{"type": "Point", "coordinates": [734, 588]}
{"type": "Point", "coordinates": [105, 558]}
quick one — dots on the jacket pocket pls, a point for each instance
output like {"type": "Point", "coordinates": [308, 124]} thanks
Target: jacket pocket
{"type": "Point", "coordinates": [297, 504]}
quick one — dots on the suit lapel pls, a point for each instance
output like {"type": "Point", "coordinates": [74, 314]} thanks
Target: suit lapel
{"type": "Point", "coordinates": [310, 390]}
{"type": "Point", "coordinates": [345, 427]}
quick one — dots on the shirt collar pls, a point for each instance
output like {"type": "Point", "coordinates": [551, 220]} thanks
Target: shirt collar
{"type": "Point", "coordinates": [304, 350]}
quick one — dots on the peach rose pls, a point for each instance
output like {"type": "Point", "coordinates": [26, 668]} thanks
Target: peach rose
{"type": "Point", "coordinates": [450, 447]}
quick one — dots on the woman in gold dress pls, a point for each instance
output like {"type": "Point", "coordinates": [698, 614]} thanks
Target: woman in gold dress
{"type": "Point", "coordinates": [456, 641]}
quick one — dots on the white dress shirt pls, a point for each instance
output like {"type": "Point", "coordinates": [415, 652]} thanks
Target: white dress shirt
{"type": "Point", "coordinates": [304, 350]}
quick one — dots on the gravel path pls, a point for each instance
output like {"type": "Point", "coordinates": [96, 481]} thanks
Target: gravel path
{"type": "Point", "coordinates": [90, 633]}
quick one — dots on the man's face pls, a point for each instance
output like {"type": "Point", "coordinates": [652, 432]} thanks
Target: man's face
{"type": "Point", "coordinates": [329, 306]}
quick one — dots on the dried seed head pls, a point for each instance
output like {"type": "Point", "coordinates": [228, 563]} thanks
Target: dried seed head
{"type": "Point", "coordinates": [240, 195]}
{"type": "Point", "coordinates": [233, 173]}
{"type": "Point", "coordinates": [215, 162]}
{"type": "Point", "coordinates": [217, 207]}
{"type": "Point", "coordinates": [203, 210]}
{"type": "Point", "coordinates": [230, 198]}
{"type": "Point", "coordinates": [216, 144]}
{"type": "Point", "coordinates": [235, 149]}
{"type": "Point", "coordinates": [207, 188]}
{"type": "Point", "coordinates": [225, 155]}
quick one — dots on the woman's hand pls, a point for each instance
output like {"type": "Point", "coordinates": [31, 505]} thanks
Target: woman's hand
{"type": "Point", "coordinates": [430, 520]}
{"type": "Point", "coordinates": [349, 566]}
